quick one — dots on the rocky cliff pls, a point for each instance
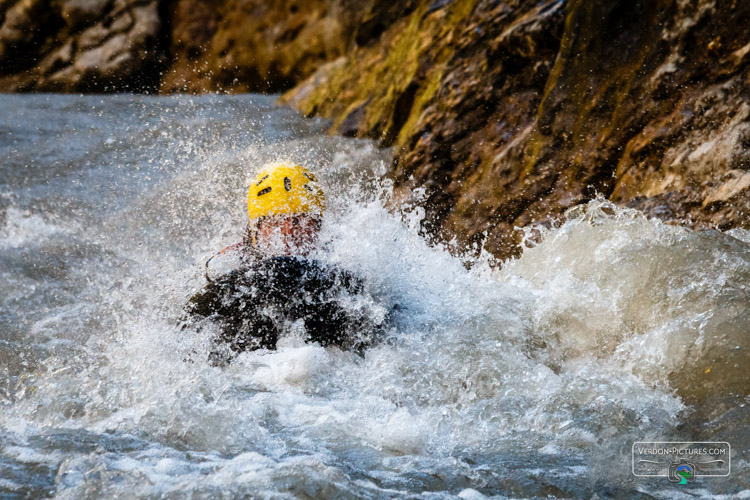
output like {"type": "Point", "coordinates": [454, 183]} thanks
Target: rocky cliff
{"type": "Point", "coordinates": [179, 45]}
{"type": "Point", "coordinates": [505, 113]}
{"type": "Point", "coordinates": [80, 45]}
{"type": "Point", "coordinates": [509, 113]}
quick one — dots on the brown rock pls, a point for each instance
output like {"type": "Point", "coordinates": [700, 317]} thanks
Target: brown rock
{"type": "Point", "coordinates": [510, 113]}
{"type": "Point", "coordinates": [80, 45]}
{"type": "Point", "coordinates": [122, 22]}
{"type": "Point", "coordinates": [736, 183]}
{"type": "Point", "coordinates": [257, 45]}
{"type": "Point", "coordinates": [93, 36]}
{"type": "Point", "coordinates": [78, 13]}
{"type": "Point", "coordinates": [21, 26]}
{"type": "Point", "coordinates": [57, 59]}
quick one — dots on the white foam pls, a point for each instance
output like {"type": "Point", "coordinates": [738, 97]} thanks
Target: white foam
{"type": "Point", "coordinates": [23, 228]}
{"type": "Point", "coordinates": [572, 347]}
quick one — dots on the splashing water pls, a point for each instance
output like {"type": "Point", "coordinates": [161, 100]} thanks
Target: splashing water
{"type": "Point", "coordinates": [528, 381]}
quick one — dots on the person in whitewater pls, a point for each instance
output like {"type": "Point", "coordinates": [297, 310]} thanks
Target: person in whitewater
{"type": "Point", "coordinates": [275, 285]}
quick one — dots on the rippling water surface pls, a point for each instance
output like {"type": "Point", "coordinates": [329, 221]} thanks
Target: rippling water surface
{"type": "Point", "coordinates": [529, 381]}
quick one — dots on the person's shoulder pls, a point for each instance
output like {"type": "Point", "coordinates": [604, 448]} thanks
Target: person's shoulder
{"type": "Point", "coordinates": [337, 275]}
{"type": "Point", "coordinates": [303, 271]}
{"type": "Point", "coordinates": [284, 266]}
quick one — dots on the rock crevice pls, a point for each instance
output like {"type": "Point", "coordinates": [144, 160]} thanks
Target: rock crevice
{"type": "Point", "coordinates": [524, 109]}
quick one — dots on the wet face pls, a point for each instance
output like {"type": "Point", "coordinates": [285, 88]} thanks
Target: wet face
{"type": "Point", "coordinates": [287, 235]}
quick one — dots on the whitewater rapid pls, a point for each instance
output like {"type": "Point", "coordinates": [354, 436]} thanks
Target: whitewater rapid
{"type": "Point", "coordinates": [524, 380]}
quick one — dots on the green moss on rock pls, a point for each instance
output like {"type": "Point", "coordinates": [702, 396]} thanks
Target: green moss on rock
{"type": "Point", "coordinates": [509, 113]}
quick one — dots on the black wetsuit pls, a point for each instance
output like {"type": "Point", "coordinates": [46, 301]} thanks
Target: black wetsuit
{"type": "Point", "coordinates": [253, 304]}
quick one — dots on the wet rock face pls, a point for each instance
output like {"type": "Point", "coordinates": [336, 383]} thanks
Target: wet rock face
{"type": "Point", "coordinates": [241, 46]}
{"type": "Point", "coordinates": [263, 46]}
{"type": "Point", "coordinates": [79, 45]}
{"type": "Point", "coordinates": [181, 45]}
{"type": "Point", "coordinates": [508, 113]}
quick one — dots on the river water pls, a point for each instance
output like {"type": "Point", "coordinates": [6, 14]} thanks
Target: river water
{"type": "Point", "coordinates": [532, 380]}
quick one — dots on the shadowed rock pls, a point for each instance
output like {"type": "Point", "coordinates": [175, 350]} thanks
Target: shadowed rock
{"type": "Point", "coordinates": [262, 46]}
{"type": "Point", "coordinates": [508, 113]}
{"type": "Point", "coordinates": [80, 45]}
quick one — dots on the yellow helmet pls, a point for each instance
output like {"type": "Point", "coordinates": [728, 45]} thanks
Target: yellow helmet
{"type": "Point", "coordinates": [284, 190]}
